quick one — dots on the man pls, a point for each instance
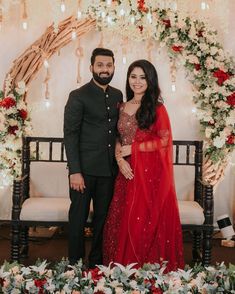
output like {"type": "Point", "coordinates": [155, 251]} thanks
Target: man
{"type": "Point", "coordinates": [90, 121]}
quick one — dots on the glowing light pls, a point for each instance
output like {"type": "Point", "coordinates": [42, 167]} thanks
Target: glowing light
{"type": "Point", "coordinates": [109, 19]}
{"type": "Point", "coordinates": [122, 12]}
{"type": "Point", "coordinates": [47, 103]}
{"type": "Point", "coordinates": [149, 17]}
{"type": "Point", "coordinates": [173, 87]}
{"type": "Point", "coordinates": [62, 6]}
{"type": "Point", "coordinates": [46, 63]}
{"type": "Point", "coordinates": [108, 2]}
{"type": "Point", "coordinates": [124, 59]}
{"type": "Point", "coordinates": [79, 14]}
{"type": "Point", "coordinates": [193, 110]}
{"type": "Point", "coordinates": [103, 14]}
{"type": "Point", "coordinates": [203, 5]}
{"type": "Point", "coordinates": [73, 35]}
{"type": "Point", "coordinates": [24, 25]}
{"type": "Point", "coordinates": [132, 19]}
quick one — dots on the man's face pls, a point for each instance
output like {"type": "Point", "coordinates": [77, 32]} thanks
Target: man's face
{"type": "Point", "coordinates": [103, 69]}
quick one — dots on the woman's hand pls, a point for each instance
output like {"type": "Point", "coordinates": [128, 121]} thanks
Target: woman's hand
{"type": "Point", "coordinates": [125, 150]}
{"type": "Point", "coordinates": [125, 169]}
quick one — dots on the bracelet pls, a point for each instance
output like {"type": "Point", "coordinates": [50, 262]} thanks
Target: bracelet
{"type": "Point", "coordinates": [119, 159]}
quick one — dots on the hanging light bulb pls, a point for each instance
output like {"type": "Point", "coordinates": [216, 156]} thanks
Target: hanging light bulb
{"type": "Point", "coordinates": [194, 110]}
{"type": "Point", "coordinates": [79, 14]}
{"type": "Point", "coordinates": [108, 2]}
{"type": "Point", "coordinates": [109, 19]}
{"type": "Point", "coordinates": [149, 17]}
{"type": "Point", "coordinates": [132, 19]}
{"type": "Point", "coordinates": [103, 14]}
{"type": "Point", "coordinates": [122, 12]}
{"type": "Point", "coordinates": [173, 87]}
{"type": "Point", "coordinates": [46, 63]}
{"type": "Point", "coordinates": [203, 5]}
{"type": "Point", "coordinates": [73, 35]}
{"type": "Point", "coordinates": [124, 59]}
{"type": "Point", "coordinates": [62, 6]}
{"type": "Point", "coordinates": [24, 16]}
{"type": "Point", "coordinates": [47, 102]}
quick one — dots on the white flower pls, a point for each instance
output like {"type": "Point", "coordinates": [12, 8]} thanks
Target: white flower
{"type": "Point", "coordinates": [2, 122]}
{"type": "Point", "coordinates": [21, 89]}
{"type": "Point", "coordinates": [203, 46]}
{"type": "Point", "coordinates": [213, 50]}
{"type": "Point", "coordinates": [208, 132]}
{"type": "Point", "coordinates": [210, 63]}
{"type": "Point", "coordinates": [219, 141]}
{"type": "Point", "coordinates": [230, 120]}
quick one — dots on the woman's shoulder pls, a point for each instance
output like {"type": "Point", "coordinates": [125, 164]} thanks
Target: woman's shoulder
{"type": "Point", "coordinates": [122, 106]}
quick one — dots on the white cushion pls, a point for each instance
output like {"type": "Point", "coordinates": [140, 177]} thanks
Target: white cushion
{"type": "Point", "coordinates": [45, 209]}
{"type": "Point", "coordinates": [191, 213]}
{"type": "Point", "coordinates": [49, 179]}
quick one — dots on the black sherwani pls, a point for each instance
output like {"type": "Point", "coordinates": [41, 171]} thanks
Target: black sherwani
{"type": "Point", "coordinates": [90, 121]}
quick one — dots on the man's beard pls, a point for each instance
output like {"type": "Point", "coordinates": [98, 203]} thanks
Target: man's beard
{"type": "Point", "coordinates": [102, 80]}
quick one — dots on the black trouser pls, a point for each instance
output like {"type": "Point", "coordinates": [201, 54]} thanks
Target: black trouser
{"type": "Point", "coordinates": [100, 189]}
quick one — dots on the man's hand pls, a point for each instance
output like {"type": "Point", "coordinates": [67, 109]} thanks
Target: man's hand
{"type": "Point", "coordinates": [77, 182]}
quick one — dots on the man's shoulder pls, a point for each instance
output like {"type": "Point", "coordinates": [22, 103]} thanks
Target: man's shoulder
{"type": "Point", "coordinates": [79, 92]}
{"type": "Point", "coordinates": [115, 91]}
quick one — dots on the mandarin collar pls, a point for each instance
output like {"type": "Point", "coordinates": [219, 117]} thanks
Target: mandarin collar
{"type": "Point", "coordinates": [97, 88]}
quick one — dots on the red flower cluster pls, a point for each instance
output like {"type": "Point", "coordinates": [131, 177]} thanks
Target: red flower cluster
{"type": "Point", "coordinates": [231, 99]}
{"type": "Point", "coordinates": [167, 23]}
{"type": "Point", "coordinates": [141, 6]}
{"type": "Point", "coordinates": [230, 140]}
{"type": "Point", "coordinates": [12, 130]}
{"type": "Point", "coordinates": [39, 283]}
{"type": "Point", "coordinates": [177, 48]}
{"type": "Point", "coordinates": [221, 76]}
{"type": "Point", "coordinates": [96, 276]}
{"type": "Point", "coordinates": [23, 114]}
{"type": "Point", "coordinates": [197, 66]}
{"type": "Point", "coordinates": [7, 102]}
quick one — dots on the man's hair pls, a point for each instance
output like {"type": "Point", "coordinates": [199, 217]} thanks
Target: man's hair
{"type": "Point", "coordinates": [103, 52]}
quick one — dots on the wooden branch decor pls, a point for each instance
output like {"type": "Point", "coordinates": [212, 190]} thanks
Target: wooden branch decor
{"type": "Point", "coordinates": [26, 66]}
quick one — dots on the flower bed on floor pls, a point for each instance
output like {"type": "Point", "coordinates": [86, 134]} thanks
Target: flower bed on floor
{"type": "Point", "coordinates": [63, 278]}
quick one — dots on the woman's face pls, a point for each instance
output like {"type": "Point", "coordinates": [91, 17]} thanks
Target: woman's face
{"type": "Point", "coordinates": [137, 81]}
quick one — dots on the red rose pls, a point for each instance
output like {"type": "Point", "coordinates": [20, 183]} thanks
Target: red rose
{"type": "Point", "coordinates": [230, 139]}
{"type": "Point", "coordinates": [221, 76]}
{"type": "Point", "coordinates": [39, 283]}
{"type": "Point", "coordinates": [231, 99]}
{"type": "Point", "coordinates": [141, 6]}
{"type": "Point", "coordinates": [141, 28]}
{"type": "Point", "coordinates": [12, 130]}
{"type": "Point", "coordinates": [23, 114]}
{"type": "Point", "coordinates": [167, 23]}
{"type": "Point", "coordinates": [177, 48]}
{"type": "Point", "coordinates": [7, 102]}
{"type": "Point", "coordinates": [197, 66]}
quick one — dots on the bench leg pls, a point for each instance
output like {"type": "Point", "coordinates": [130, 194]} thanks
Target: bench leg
{"type": "Point", "coordinates": [24, 242]}
{"type": "Point", "coordinates": [207, 246]}
{"type": "Point", "coordinates": [15, 242]}
{"type": "Point", "coordinates": [196, 252]}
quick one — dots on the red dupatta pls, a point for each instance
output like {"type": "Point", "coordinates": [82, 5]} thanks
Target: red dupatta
{"type": "Point", "coordinates": [150, 229]}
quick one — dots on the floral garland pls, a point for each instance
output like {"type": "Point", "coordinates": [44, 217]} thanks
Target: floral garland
{"type": "Point", "coordinates": [14, 123]}
{"type": "Point", "coordinates": [210, 69]}
{"type": "Point", "coordinates": [63, 278]}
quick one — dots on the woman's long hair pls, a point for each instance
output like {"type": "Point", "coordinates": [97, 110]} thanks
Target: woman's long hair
{"type": "Point", "coordinates": [146, 114]}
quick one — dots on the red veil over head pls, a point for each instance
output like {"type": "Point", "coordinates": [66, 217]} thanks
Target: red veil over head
{"type": "Point", "coordinates": [150, 229]}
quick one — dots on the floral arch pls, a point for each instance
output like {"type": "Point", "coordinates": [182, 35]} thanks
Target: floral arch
{"type": "Point", "coordinates": [210, 70]}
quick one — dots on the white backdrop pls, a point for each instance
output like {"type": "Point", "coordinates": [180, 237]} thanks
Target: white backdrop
{"type": "Point", "coordinates": [49, 121]}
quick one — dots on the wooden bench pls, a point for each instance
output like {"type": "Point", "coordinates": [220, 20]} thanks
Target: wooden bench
{"type": "Point", "coordinates": [41, 197]}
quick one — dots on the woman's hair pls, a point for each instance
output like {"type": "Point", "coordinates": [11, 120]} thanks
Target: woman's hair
{"type": "Point", "coordinates": [146, 114]}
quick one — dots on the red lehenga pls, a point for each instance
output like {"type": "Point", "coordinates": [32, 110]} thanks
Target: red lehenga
{"type": "Point", "coordinates": [143, 222]}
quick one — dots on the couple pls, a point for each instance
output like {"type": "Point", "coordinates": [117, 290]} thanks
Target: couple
{"type": "Point", "coordinates": [142, 222]}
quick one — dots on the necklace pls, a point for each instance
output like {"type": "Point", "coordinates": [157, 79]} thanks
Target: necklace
{"type": "Point", "coordinates": [134, 101]}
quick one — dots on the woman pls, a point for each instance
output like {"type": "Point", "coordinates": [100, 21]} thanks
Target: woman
{"type": "Point", "coordinates": [143, 222]}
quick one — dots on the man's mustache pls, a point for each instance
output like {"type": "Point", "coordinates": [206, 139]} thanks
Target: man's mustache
{"type": "Point", "coordinates": [104, 73]}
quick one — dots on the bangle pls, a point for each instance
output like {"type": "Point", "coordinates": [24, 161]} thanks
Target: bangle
{"type": "Point", "coordinates": [119, 159]}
